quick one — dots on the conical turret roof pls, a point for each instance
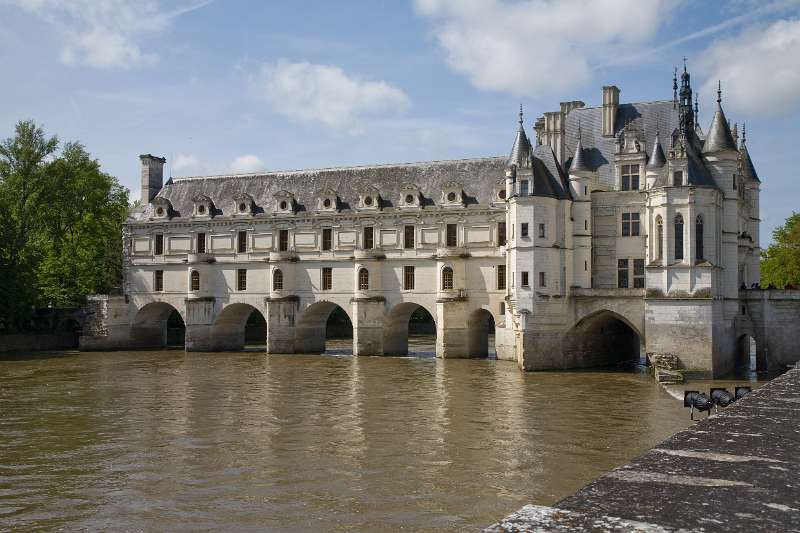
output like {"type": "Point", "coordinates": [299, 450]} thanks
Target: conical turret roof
{"type": "Point", "coordinates": [719, 136]}
{"type": "Point", "coordinates": [748, 170]}
{"type": "Point", "coordinates": [578, 163]}
{"type": "Point", "coordinates": [657, 159]}
{"type": "Point", "coordinates": [521, 150]}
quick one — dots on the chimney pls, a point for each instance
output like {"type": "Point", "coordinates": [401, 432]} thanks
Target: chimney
{"type": "Point", "coordinates": [610, 105]}
{"type": "Point", "coordinates": [152, 176]}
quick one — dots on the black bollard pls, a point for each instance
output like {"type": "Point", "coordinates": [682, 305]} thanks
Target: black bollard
{"type": "Point", "coordinates": [721, 397]}
{"type": "Point", "coordinates": [697, 400]}
{"type": "Point", "coordinates": [742, 391]}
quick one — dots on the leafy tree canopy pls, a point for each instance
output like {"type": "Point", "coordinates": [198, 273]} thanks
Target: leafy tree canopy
{"type": "Point", "coordinates": [780, 263]}
{"type": "Point", "coordinates": [60, 225]}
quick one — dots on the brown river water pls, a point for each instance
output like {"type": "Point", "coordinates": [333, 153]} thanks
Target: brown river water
{"type": "Point", "coordinates": [168, 441]}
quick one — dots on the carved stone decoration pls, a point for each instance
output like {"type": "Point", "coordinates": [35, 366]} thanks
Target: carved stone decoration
{"type": "Point", "coordinates": [243, 204]}
{"type": "Point", "coordinates": [328, 201]}
{"type": "Point", "coordinates": [369, 199]}
{"type": "Point", "coordinates": [284, 203]}
{"type": "Point", "coordinates": [162, 209]}
{"type": "Point", "coordinates": [410, 197]}
{"type": "Point", "coordinates": [452, 194]}
{"type": "Point", "coordinates": [203, 206]}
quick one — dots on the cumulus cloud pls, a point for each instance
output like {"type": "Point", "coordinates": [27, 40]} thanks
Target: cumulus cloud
{"type": "Point", "coordinates": [325, 94]}
{"type": "Point", "coordinates": [759, 69]}
{"type": "Point", "coordinates": [247, 163]}
{"type": "Point", "coordinates": [104, 33]}
{"type": "Point", "coordinates": [186, 163]}
{"type": "Point", "coordinates": [535, 47]}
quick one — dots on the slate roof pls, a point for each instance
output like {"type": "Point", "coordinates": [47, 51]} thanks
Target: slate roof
{"type": "Point", "coordinates": [719, 134]}
{"type": "Point", "coordinates": [521, 149]}
{"type": "Point", "coordinates": [480, 178]}
{"type": "Point", "coordinates": [548, 178]}
{"type": "Point", "coordinates": [657, 158]}
{"type": "Point", "coordinates": [748, 169]}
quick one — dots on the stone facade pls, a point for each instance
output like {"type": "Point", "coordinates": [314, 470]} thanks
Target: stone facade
{"type": "Point", "coordinates": [620, 231]}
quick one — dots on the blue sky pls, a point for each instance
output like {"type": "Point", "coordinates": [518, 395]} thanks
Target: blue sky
{"type": "Point", "coordinates": [227, 85]}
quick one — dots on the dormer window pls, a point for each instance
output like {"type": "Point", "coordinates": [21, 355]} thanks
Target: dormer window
{"type": "Point", "coordinates": [243, 204]}
{"type": "Point", "coordinates": [677, 178]}
{"type": "Point", "coordinates": [370, 199]}
{"type": "Point", "coordinates": [452, 194]}
{"type": "Point", "coordinates": [284, 203]}
{"type": "Point", "coordinates": [501, 194]}
{"type": "Point", "coordinates": [410, 196]}
{"type": "Point", "coordinates": [629, 177]}
{"type": "Point", "coordinates": [162, 208]}
{"type": "Point", "coordinates": [328, 201]}
{"type": "Point", "coordinates": [203, 206]}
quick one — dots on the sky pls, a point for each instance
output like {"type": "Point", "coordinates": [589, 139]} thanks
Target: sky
{"type": "Point", "coordinates": [223, 86]}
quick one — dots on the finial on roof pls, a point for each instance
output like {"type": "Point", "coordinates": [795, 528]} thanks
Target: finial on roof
{"type": "Point", "coordinates": [684, 63]}
{"type": "Point", "coordinates": [696, 106]}
{"type": "Point", "coordinates": [520, 114]}
{"type": "Point", "coordinates": [744, 132]}
{"type": "Point", "coordinates": [580, 135]}
{"type": "Point", "coordinates": [674, 87]}
{"type": "Point", "coordinates": [719, 91]}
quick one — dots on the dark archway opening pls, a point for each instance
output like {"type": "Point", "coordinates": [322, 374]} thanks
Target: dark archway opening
{"type": "Point", "coordinates": [255, 331]}
{"type": "Point", "coordinates": [601, 340]}
{"type": "Point", "coordinates": [236, 327]}
{"type": "Point", "coordinates": [409, 329]}
{"type": "Point", "coordinates": [176, 330]}
{"type": "Point", "coordinates": [480, 327]}
{"type": "Point", "coordinates": [324, 328]}
{"type": "Point", "coordinates": [157, 325]}
{"type": "Point", "coordinates": [746, 356]}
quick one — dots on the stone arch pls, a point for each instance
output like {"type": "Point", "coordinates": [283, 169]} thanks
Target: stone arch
{"type": "Point", "coordinates": [228, 333]}
{"type": "Point", "coordinates": [602, 338]}
{"type": "Point", "coordinates": [150, 325]}
{"type": "Point", "coordinates": [480, 324]}
{"type": "Point", "coordinates": [311, 327]}
{"type": "Point", "coordinates": [396, 329]}
{"type": "Point", "coordinates": [746, 353]}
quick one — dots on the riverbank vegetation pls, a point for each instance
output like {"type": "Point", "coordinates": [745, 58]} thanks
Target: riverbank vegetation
{"type": "Point", "coordinates": [780, 262]}
{"type": "Point", "coordinates": [60, 225]}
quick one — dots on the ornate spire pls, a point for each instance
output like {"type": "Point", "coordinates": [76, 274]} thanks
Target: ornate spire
{"type": "Point", "coordinates": [578, 162]}
{"type": "Point", "coordinates": [521, 150]}
{"type": "Point", "coordinates": [657, 159]}
{"type": "Point", "coordinates": [719, 136]}
{"type": "Point", "coordinates": [675, 88]}
{"type": "Point", "coordinates": [686, 113]}
{"type": "Point", "coordinates": [719, 91]}
{"type": "Point", "coordinates": [520, 115]}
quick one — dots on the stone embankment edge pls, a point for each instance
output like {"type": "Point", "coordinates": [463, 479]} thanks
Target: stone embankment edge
{"type": "Point", "coordinates": [738, 471]}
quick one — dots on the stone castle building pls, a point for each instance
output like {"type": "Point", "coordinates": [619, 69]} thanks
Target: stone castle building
{"type": "Point", "coordinates": [617, 231]}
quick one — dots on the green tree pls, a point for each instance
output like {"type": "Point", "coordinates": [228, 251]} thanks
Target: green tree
{"type": "Point", "coordinates": [780, 262]}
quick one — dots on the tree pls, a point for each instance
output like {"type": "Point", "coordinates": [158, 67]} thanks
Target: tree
{"type": "Point", "coordinates": [60, 225]}
{"type": "Point", "coordinates": [780, 262]}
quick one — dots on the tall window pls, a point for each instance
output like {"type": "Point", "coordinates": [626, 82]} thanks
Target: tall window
{"type": "Point", "coordinates": [408, 237]}
{"type": "Point", "coordinates": [241, 279]}
{"type": "Point", "coordinates": [201, 243]}
{"type": "Point", "coordinates": [159, 247]}
{"type": "Point", "coordinates": [408, 278]}
{"type": "Point", "coordinates": [525, 281]}
{"type": "Point", "coordinates": [523, 188]}
{"type": "Point", "coordinates": [195, 280]}
{"type": "Point", "coordinates": [283, 240]}
{"type": "Point", "coordinates": [542, 279]}
{"type": "Point", "coordinates": [327, 278]}
{"type": "Point", "coordinates": [622, 273]}
{"type": "Point", "coordinates": [659, 238]}
{"type": "Point", "coordinates": [363, 279]}
{"type": "Point", "coordinates": [502, 308]}
{"type": "Point", "coordinates": [159, 281]}
{"type": "Point", "coordinates": [277, 280]}
{"type": "Point", "coordinates": [523, 230]}
{"type": "Point", "coordinates": [677, 178]}
{"type": "Point", "coordinates": [638, 273]}
{"type": "Point", "coordinates": [541, 231]}
{"type": "Point", "coordinates": [447, 278]}
{"type": "Point", "coordinates": [327, 238]}
{"type": "Point", "coordinates": [501, 277]}
{"type": "Point", "coordinates": [501, 234]}
{"type": "Point", "coordinates": [678, 237]}
{"type": "Point", "coordinates": [241, 242]}
{"type": "Point", "coordinates": [452, 235]}
{"type": "Point", "coordinates": [369, 238]}
{"type": "Point", "coordinates": [630, 177]}
{"type": "Point", "coordinates": [698, 230]}
{"type": "Point", "coordinates": [630, 224]}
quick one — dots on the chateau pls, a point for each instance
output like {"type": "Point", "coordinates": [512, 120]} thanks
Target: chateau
{"type": "Point", "coordinates": [613, 232]}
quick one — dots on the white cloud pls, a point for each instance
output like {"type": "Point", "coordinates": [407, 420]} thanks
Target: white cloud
{"type": "Point", "coordinates": [186, 163]}
{"type": "Point", "coordinates": [104, 33]}
{"type": "Point", "coordinates": [536, 47]}
{"type": "Point", "coordinates": [759, 69]}
{"type": "Point", "coordinates": [247, 163]}
{"type": "Point", "coordinates": [325, 94]}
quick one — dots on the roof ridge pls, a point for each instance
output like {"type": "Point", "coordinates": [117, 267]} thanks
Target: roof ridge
{"type": "Point", "coordinates": [333, 169]}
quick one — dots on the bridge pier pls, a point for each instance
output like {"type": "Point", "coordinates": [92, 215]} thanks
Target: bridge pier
{"type": "Point", "coordinates": [199, 324]}
{"type": "Point", "coordinates": [368, 326]}
{"type": "Point", "coordinates": [452, 334]}
{"type": "Point", "coordinates": [281, 315]}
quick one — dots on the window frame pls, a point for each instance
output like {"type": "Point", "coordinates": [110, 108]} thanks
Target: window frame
{"type": "Point", "coordinates": [629, 177]}
{"type": "Point", "coordinates": [241, 242]}
{"type": "Point", "coordinates": [678, 237]}
{"type": "Point", "coordinates": [542, 230]}
{"type": "Point", "coordinates": [241, 279]}
{"type": "Point", "coordinates": [368, 237]}
{"type": "Point", "coordinates": [524, 187]}
{"type": "Point", "coordinates": [326, 278]}
{"type": "Point", "coordinates": [699, 226]}
{"type": "Point", "coordinates": [623, 274]}
{"type": "Point", "coordinates": [158, 245]}
{"type": "Point", "coordinates": [409, 277]}
{"type": "Point", "coordinates": [501, 234]}
{"type": "Point", "coordinates": [194, 281]}
{"type": "Point", "coordinates": [451, 235]}
{"type": "Point", "coordinates": [638, 273]}
{"type": "Point", "coordinates": [409, 237]}
{"type": "Point", "coordinates": [283, 240]}
{"type": "Point", "coordinates": [500, 275]}
{"type": "Point", "coordinates": [201, 242]}
{"type": "Point", "coordinates": [277, 280]}
{"type": "Point", "coordinates": [363, 279]}
{"type": "Point", "coordinates": [158, 281]}
{"type": "Point", "coordinates": [327, 239]}
{"type": "Point", "coordinates": [448, 278]}
{"type": "Point", "coordinates": [542, 278]}
{"type": "Point", "coordinates": [524, 280]}
{"type": "Point", "coordinates": [523, 230]}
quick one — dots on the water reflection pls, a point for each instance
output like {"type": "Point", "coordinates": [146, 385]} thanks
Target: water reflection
{"type": "Point", "coordinates": [174, 441]}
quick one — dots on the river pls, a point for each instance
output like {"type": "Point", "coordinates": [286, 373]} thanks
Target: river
{"type": "Point", "coordinates": [245, 441]}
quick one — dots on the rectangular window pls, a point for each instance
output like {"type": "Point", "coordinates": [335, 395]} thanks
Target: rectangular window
{"type": "Point", "coordinates": [585, 266]}
{"type": "Point", "coordinates": [501, 277]}
{"type": "Point", "coordinates": [408, 278]}
{"type": "Point", "coordinates": [630, 177]}
{"type": "Point", "coordinates": [638, 273]}
{"type": "Point", "coordinates": [327, 239]}
{"type": "Point", "coordinates": [241, 244]}
{"type": "Point", "coordinates": [677, 178]}
{"type": "Point", "coordinates": [369, 238]}
{"type": "Point", "coordinates": [630, 224]}
{"type": "Point", "coordinates": [327, 278]}
{"type": "Point", "coordinates": [523, 188]}
{"type": "Point", "coordinates": [523, 231]}
{"type": "Point", "coordinates": [524, 282]}
{"type": "Point", "coordinates": [283, 240]}
{"type": "Point", "coordinates": [541, 231]}
{"type": "Point", "coordinates": [159, 281]}
{"type": "Point", "coordinates": [502, 308]}
{"type": "Point", "coordinates": [408, 237]}
{"type": "Point", "coordinates": [622, 273]}
{"type": "Point", "coordinates": [201, 243]}
{"type": "Point", "coordinates": [241, 279]}
{"type": "Point", "coordinates": [159, 246]}
{"type": "Point", "coordinates": [542, 279]}
{"type": "Point", "coordinates": [501, 234]}
{"type": "Point", "coordinates": [452, 235]}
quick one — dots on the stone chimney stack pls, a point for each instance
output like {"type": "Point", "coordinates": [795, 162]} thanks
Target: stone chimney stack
{"type": "Point", "coordinates": [610, 105]}
{"type": "Point", "coordinates": [152, 176]}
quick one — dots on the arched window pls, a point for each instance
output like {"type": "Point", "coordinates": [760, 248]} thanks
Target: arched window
{"type": "Point", "coordinates": [678, 237]}
{"type": "Point", "coordinates": [659, 238]}
{"type": "Point", "coordinates": [195, 280]}
{"type": "Point", "coordinates": [277, 280]}
{"type": "Point", "coordinates": [698, 237]}
{"type": "Point", "coordinates": [447, 279]}
{"type": "Point", "coordinates": [363, 279]}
